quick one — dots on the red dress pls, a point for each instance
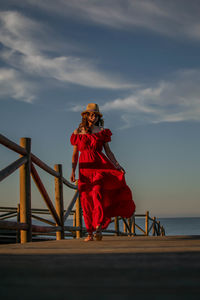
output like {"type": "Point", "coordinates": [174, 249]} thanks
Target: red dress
{"type": "Point", "coordinates": [103, 189]}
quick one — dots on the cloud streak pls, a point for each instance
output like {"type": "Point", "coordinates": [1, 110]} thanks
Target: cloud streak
{"type": "Point", "coordinates": [171, 18]}
{"type": "Point", "coordinates": [24, 50]}
{"type": "Point", "coordinates": [168, 101]}
{"type": "Point", "coordinates": [12, 85]}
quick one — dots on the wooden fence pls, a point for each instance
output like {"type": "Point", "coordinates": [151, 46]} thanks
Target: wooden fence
{"type": "Point", "coordinates": [24, 212]}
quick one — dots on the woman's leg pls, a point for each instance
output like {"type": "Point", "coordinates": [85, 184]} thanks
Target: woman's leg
{"type": "Point", "coordinates": [98, 213]}
{"type": "Point", "coordinates": [87, 206]}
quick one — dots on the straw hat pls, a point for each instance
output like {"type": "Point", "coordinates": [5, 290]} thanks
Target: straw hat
{"type": "Point", "coordinates": [92, 107]}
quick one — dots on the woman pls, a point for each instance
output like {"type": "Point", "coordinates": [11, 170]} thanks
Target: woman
{"type": "Point", "coordinates": [102, 187]}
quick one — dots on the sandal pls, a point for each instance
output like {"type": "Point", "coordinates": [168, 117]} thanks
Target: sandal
{"type": "Point", "coordinates": [89, 238]}
{"type": "Point", "coordinates": [98, 234]}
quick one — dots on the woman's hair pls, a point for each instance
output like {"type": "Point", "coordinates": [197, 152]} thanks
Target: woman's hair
{"type": "Point", "coordinates": [84, 124]}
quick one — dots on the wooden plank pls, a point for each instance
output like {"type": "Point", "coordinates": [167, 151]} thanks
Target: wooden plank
{"type": "Point", "coordinates": [8, 214]}
{"type": "Point", "coordinates": [49, 170]}
{"type": "Point", "coordinates": [12, 167]}
{"type": "Point", "coordinates": [37, 228]}
{"type": "Point", "coordinates": [67, 183]}
{"type": "Point", "coordinates": [44, 194]}
{"type": "Point", "coordinates": [13, 225]}
{"type": "Point", "coordinates": [140, 228]}
{"type": "Point", "coordinates": [11, 215]}
{"type": "Point", "coordinates": [8, 209]}
{"type": "Point", "coordinates": [11, 145]}
{"type": "Point", "coordinates": [71, 205]}
{"type": "Point", "coordinates": [43, 166]}
{"type": "Point", "coordinates": [43, 220]}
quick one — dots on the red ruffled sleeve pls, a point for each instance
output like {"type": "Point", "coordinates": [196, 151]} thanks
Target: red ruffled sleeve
{"type": "Point", "coordinates": [74, 139]}
{"type": "Point", "coordinates": [106, 135]}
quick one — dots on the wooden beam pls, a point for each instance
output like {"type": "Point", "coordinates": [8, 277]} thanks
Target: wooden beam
{"type": "Point", "coordinates": [10, 215]}
{"type": "Point", "coordinates": [36, 228]}
{"type": "Point", "coordinates": [12, 167]}
{"type": "Point", "coordinates": [13, 225]}
{"type": "Point", "coordinates": [67, 183]}
{"type": "Point", "coordinates": [140, 228]}
{"type": "Point", "coordinates": [11, 145]}
{"type": "Point", "coordinates": [49, 170]}
{"type": "Point", "coordinates": [44, 194]}
{"type": "Point", "coordinates": [43, 220]}
{"type": "Point", "coordinates": [43, 166]}
{"type": "Point", "coordinates": [71, 205]}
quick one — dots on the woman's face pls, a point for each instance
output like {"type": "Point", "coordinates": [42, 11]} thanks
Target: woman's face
{"type": "Point", "coordinates": [92, 117]}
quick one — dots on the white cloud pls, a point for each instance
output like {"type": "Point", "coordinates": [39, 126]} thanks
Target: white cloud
{"type": "Point", "coordinates": [24, 49]}
{"type": "Point", "coordinates": [168, 101]}
{"type": "Point", "coordinates": [12, 85]}
{"type": "Point", "coordinates": [172, 17]}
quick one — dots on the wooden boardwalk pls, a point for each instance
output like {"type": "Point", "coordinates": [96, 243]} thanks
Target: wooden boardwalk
{"type": "Point", "coordinates": [115, 268]}
{"type": "Point", "coordinates": [112, 244]}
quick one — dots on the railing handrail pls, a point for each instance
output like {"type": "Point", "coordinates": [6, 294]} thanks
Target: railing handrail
{"type": "Point", "coordinates": [20, 150]}
{"type": "Point", "coordinates": [25, 163]}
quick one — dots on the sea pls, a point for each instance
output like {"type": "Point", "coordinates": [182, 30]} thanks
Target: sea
{"type": "Point", "coordinates": [173, 226]}
{"type": "Point", "coordinates": [181, 225]}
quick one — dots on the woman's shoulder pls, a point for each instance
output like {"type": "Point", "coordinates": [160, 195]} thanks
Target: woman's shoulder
{"type": "Point", "coordinates": [106, 134]}
{"type": "Point", "coordinates": [75, 137]}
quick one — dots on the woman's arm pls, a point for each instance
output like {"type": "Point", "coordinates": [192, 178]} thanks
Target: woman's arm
{"type": "Point", "coordinates": [74, 160]}
{"type": "Point", "coordinates": [112, 158]}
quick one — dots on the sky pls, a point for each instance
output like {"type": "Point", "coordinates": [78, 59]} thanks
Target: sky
{"type": "Point", "coordinates": [138, 59]}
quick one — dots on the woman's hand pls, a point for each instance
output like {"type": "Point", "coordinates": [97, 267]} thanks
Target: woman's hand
{"type": "Point", "coordinates": [118, 167]}
{"type": "Point", "coordinates": [72, 177]}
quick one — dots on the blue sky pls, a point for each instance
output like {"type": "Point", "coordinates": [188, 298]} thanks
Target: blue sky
{"type": "Point", "coordinates": [139, 60]}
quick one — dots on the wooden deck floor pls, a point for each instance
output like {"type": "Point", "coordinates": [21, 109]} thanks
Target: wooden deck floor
{"type": "Point", "coordinates": [115, 268]}
{"type": "Point", "coordinates": [112, 244]}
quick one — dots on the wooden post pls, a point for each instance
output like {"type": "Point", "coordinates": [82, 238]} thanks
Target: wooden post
{"type": "Point", "coordinates": [158, 227]}
{"type": "Point", "coordinates": [116, 226]}
{"type": "Point", "coordinates": [147, 223]}
{"type": "Point", "coordinates": [162, 231]}
{"type": "Point", "coordinates": [78, 216]}
{"type": "Point", "coordinates": [18, 220]}
{"type": "Point", "coordinates": [125, 228]}
{"type": "Point", "coordinates": [129, 224]}
{"type": "Point", "coordinates": [133, 225]}
{"type": "Point", "coordinates": [154, 225]}
{"type": "Point", "coordinates": [74, 224]}
{"type": "Point", "coordinates": [59, 200]}
{"type": "Point", "coordinates": [25, 192]}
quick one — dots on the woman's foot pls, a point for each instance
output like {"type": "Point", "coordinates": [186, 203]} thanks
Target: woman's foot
{"type": "Point", "coordinates": [89, 238]}
{"type": "Point", "coordinates": [98, 234]}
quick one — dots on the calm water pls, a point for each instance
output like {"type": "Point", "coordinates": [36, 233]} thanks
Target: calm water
{"type": "Point", "coordinates": [173, 226]}
{"type": "Point", "coordinates": [181, 226]}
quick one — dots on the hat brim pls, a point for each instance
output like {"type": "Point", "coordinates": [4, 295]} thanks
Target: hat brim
{"type": "Point", "coordinates": [96, 112]}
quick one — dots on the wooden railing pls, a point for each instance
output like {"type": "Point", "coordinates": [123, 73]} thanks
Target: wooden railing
{"type": "Point", "coordinates": [24, 213]}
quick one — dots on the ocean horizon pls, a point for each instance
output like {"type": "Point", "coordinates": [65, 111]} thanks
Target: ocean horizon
{"type": "Point", "coordinates": [172, 225]}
